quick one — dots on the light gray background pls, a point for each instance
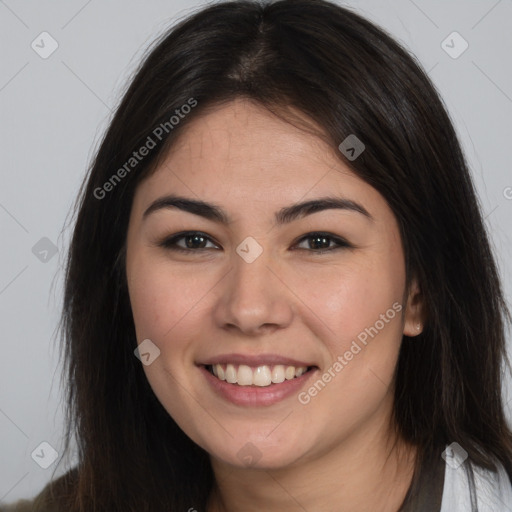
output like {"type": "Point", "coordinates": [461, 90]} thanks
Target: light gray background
{"type": "Point", "coordinates": [53, 112]}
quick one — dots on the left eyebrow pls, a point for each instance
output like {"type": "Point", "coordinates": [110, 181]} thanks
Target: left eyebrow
{"type": "Point", "coordinates": [285, 215]}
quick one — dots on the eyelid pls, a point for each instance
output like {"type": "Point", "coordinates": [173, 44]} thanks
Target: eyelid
{"type": "Point", "coordinates": [341, 242]}
{"type": "Point", "coordinates": [170, 243]}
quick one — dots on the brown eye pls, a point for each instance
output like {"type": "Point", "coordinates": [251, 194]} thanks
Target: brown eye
{"type": "Point", "coordinates": [196, 241]}
{"type": "Point", "coordinates": [321, 242]}
{"type": "Point", "coordinates": [192, 241]}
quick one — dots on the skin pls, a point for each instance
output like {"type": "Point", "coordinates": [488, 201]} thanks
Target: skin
{"type": "Point", "coordinates": [296, 303]}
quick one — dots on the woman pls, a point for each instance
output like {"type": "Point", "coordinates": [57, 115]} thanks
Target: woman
{"type": "Point", "coordinates": [280, 293]}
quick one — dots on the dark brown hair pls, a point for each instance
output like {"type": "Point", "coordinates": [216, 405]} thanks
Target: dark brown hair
{"type": "Point", "coordinates": [349, 77]}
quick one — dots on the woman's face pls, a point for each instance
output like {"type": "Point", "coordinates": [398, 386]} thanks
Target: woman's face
{"type": "Point", "coordinates": [250, 288]}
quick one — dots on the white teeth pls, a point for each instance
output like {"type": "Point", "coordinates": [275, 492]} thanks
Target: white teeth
{"type": "Point", "coordinates": [278, 374]}
{"type": "Point", "coordinates": [261, 376]}
{"type": "Point", "coordinates": [289, 372]}
{"type": "Point", "coordinates": [231, 374]}
{"type": "Point", "coordinates": [299, 371]}
{"type": "Point", "coordinates": [244, 375]}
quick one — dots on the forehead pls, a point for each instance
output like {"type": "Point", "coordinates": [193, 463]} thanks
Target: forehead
{"type": "Point", "coordinates": [242, 155]}
{"type": "Point", "coordinates": [241, 145]}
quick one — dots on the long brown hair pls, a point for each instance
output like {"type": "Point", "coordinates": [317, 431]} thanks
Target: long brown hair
{"type": "Point", "coordinates": [349, 77]}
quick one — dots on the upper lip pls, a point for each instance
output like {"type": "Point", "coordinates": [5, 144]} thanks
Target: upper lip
{"type": "Point", "coordinates": [255, 360]}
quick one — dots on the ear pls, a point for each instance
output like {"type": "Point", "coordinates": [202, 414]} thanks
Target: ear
{"type": "Point", "coordinates": [415, 310]}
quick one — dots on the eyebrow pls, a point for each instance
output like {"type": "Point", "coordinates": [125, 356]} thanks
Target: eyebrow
{"type": "Point", "coordinates": [283, 216]}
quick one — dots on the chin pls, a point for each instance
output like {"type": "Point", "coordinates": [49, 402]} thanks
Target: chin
{"type": "Point", "coordinates": [259, 454]}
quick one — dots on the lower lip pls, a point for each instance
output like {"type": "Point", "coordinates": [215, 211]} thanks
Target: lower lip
{"type": "Point", "coordinates": [256, 395]}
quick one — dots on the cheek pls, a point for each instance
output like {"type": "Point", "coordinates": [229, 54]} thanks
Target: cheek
{"type": "Point", "coordinates": [166, 308]}
{"type": "Point", "coordinates": [363, 342]}
{"type": "Point", "coordinates": [361, 307]}
{"type": "Point", "coordinates": [349, 299]}
{"type": "Point", "coordinates": [163, 299]}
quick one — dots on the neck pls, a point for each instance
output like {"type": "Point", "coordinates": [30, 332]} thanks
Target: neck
{"type": "Point", "coordinates": [357, 476]}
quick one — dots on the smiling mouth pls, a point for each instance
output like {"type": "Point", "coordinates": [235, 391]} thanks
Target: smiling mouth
{"type": "Point", "coordinates": [262, 376]}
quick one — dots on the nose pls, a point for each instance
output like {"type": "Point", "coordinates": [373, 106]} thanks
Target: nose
{"type": "Point", "coordinates": [254, 298]}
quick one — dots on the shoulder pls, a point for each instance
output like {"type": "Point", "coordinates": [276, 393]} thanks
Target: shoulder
{"type": "Point", "coordinates": [49, 499]}
{"type": "Point", "coordinates": [467, 486]}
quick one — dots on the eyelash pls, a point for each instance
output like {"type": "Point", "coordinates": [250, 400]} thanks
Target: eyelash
{"type": "Point", "coordinates": [171, 242]}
